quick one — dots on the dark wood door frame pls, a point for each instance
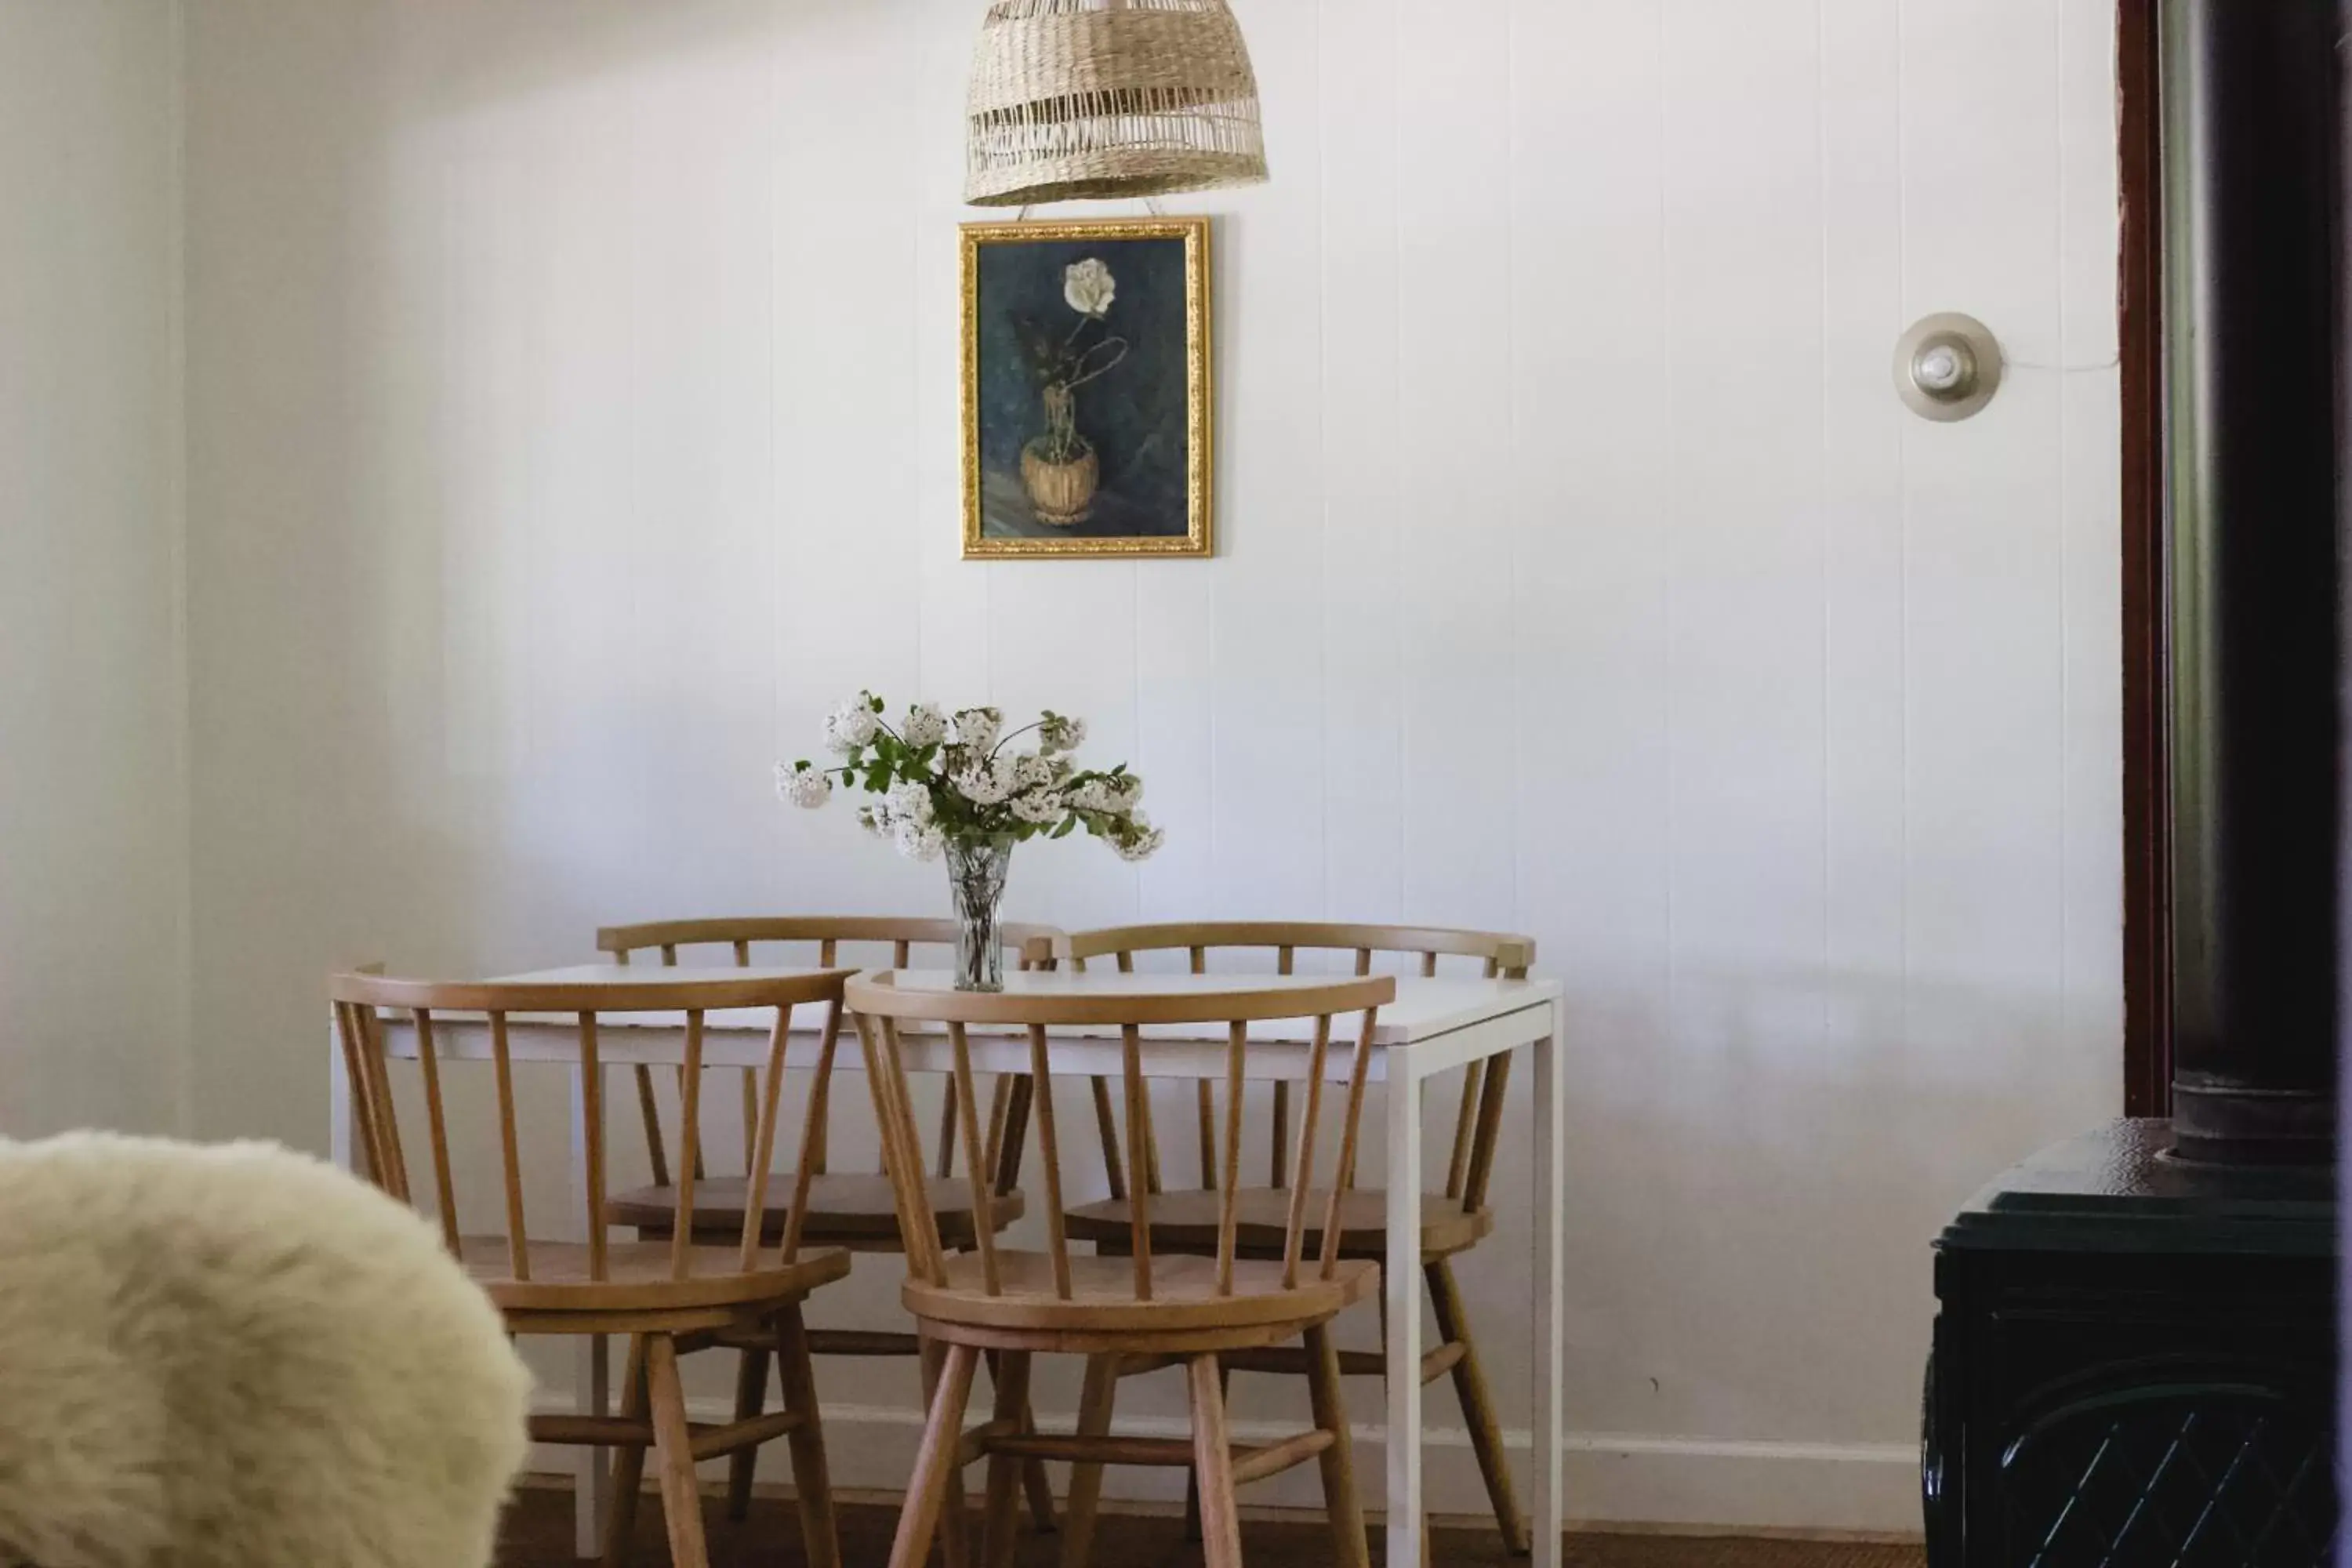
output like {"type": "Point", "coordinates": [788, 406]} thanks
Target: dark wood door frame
{"type": "Point", "coordinates": [2147, 893]}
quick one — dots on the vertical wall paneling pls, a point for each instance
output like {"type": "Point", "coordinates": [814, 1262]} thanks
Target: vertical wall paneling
{"type": "Point", "coordinates": [1457, 308]}
{"type": "Point", "coordinates": [1592, 409]}
{"type": "Point", "coordinates": [1361, 210]}
{"type": "Point", "coordinates": [573, 404]}
{"type": "Point", "coordinates": [93, 673]}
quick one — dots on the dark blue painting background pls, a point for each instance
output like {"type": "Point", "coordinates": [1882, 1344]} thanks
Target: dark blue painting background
{"type": "Point", "coordinates": [1134, 415]}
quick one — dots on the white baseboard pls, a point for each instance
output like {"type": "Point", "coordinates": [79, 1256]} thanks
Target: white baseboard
{"type": "Point", "coordinates": [1613, 1478]}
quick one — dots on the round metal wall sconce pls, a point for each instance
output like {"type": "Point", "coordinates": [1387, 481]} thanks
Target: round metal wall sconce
{"type": "Point", "coordinates": [1947, 366]}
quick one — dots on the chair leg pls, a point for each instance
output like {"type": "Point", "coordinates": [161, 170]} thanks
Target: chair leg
{"type": "Point", "coordinates": [674, 1451]}
{"type": "Point", "coordinates": [1340, 1499]}
{"type": "Point", "coordinates": [999, 1535]}
{"type": "Point", "coordinates": [1192, 1480]}
{"type": "Point", "coordinates": [1037, 1484]}
{"type": "Point", "coordinates": [750, 1394]}
{"type": "Point", "coordinates": [628, 1464]}
{"type": "Point", "coordinates": [935, 1461]}
{"type": "Point", "coordinates": [1033, 1478]}
{"type": "Point", "coordinates": [1477, 1406]}
{"type": "Point", "coordinates": [812, 1482]}
{"type": "Point", "coordinates": [1212, 1460]}
{"type": "Point", "coordinates": [1095, 1404]}
{"type": "Point", "coordinates": [954, 1530]}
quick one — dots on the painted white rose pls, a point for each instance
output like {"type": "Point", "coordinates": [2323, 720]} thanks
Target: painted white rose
{"type": "Point", "coordinates": [1088, 287]}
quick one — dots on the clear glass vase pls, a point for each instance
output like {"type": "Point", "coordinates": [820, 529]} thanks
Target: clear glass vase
{"type": "Point", "coordinates": [976, 868]}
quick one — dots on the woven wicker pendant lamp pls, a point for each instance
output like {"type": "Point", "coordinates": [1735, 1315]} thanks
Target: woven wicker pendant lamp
{"type": "Point", "coordinates": [1074, 98]}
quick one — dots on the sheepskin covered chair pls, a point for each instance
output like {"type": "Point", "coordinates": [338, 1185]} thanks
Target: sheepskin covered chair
{"type": "Point", "coordinates": [238, 1357]}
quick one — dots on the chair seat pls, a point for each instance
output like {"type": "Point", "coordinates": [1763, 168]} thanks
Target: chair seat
{"type": "Point", "coordinates": [1184, 1297]}
{"type": "Point", "coordinates": [851, 1209]}
{"type": "Point", "coordinates": [639, 1277]}
{"type": "Point", "coordinates": [1187, 1221]}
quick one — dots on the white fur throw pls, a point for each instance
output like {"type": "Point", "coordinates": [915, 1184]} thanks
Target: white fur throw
{"type": "Point", "coordinates": [238, 1357]}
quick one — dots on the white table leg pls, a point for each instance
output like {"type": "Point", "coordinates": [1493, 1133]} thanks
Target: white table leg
{"type": "Point", "coordinates": [1551, 1281]}
{"type": "Point", "coordinates": [591, 1365]}
{"type": "Point", "coordinates": [1401, 1279]}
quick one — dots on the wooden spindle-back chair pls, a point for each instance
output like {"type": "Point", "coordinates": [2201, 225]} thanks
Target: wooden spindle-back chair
{"type": "Point", "coordinates": [1145, 1309]}
{"type": "Point", "coordinates": [1452, 1221]}
{"type": "Point", "coordinates": [669, 1296]}
{"type": "Point", "coordinates": [849, 1209]}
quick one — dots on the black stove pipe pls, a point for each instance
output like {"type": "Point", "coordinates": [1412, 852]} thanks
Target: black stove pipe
{"type": "Point", "coordinates": [2254, 262]}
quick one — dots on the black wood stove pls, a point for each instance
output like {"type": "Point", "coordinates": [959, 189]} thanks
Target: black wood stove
{"type": "Point", "coordinates": [2135, 1358]}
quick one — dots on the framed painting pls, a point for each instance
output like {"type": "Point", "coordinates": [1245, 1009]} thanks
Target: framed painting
{"type": "Point", "coordinates": [1085, 388]}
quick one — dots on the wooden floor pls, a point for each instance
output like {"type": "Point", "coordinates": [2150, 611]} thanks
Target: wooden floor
{"type": "Point", "coordinates": [539, 1536]}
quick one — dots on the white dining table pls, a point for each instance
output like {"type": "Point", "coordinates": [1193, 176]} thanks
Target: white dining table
{"type": "Point", "coordinates": [1435, 1026]}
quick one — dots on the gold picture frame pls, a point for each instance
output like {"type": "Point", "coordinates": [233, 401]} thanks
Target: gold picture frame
{"type": "Point", "coordinates": [1127, 469]}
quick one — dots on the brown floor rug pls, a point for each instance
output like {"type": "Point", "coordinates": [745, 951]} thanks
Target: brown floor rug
{"type": "Point", "coordinates": [539, 1536]}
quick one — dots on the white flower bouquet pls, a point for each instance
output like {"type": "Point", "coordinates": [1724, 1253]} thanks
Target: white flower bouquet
{"type": "Point", "coordinates": [956, 786]}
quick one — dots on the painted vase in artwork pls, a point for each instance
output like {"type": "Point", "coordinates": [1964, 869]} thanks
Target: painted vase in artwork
{"type": "Point", "coordinates": [1060, 469]}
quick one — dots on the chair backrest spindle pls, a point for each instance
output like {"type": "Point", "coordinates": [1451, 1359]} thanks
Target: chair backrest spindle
{"type": "Point", "coordinates": [445, 1180]}
{"type": "Point", "coordinates": [689, 1147]}
{"type": "Point", "coordinates": [1140, 1182]}
{"type": "Point", "coordinates": [1009, 1128]}
{"type": "Point", "coordinates": [1204, 1103]}
{"type": "Point", "coordinates": [510, 1150]}
{"type": "Point", "coordinates": [451, 1024]}
{"type": "Point", "coordinates": [886, 1011]}
{"type": "Point", "coordinates": [1049, 1152]}
{"type": "Point", "coordinates": [1294, 1229]}
{"type": "Point", "coordinates": [738, 934]}
{"type": "Point", "coordinates": [592, 1115]}
{"type": "Point", "coordinates": [979, 1168]}
{"type": "Point", "coordinates": [1457, 1164]}
{"type": "Point", "coordinates": [649, 1113]}
{"type": "Point", "coordinates": [1476, 1122]}
{"type": "Point", "coordinates": [1352, 1121]}
{"type": "Point", "coordinates": [1229, 1211]}
{"type": "Point", "coordinates": [902, 1155]}
{"type": "Point", "coordinates": [1488, 1131]}
{"type": "Point", "coordinates": [358, 1066]}
{"type": "Point", "coordinates": [812, 1126]}
{"type": "Point", "coordinates": [1106, 1126]}
{"type": "Point", "coordinates": [762, 1153]}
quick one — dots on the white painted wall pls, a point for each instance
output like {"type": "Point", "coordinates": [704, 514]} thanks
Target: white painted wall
{"type": "Point", "coordinates": [572, 417]}
{"type": "Point", "coordinates": [93, 793]}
